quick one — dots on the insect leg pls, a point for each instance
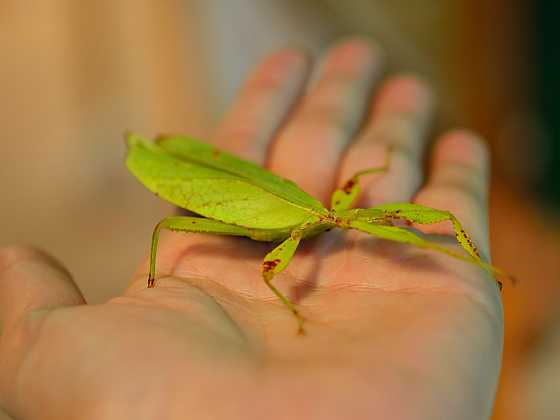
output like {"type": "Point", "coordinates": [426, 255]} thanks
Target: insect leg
{"type": "Point", "coordinates": [190, 224]}
{"type": "Point", "coordinates": [416, 213]}
{"type": "Point", "coordinates": [342, 198]}
{"type": "Point", "coordinates": [400, 234]}
{"type": "Point", "coordinates": [277, 260]}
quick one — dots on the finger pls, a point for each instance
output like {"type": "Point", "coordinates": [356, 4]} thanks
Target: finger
{"type": "Point", "coordinates": [262, 105]}
{"type": "Point", "coordinates": [31, 280]}
{"type": "Point", "coordinates": [309, 147]}
{"type": "Point", "coordinates": [459, 183]}
{"type": "Point", "coordinates": [397, 125]}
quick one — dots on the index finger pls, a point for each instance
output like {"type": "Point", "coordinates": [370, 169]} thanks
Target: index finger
{"type": "Point", "coordinates": [262, 105]}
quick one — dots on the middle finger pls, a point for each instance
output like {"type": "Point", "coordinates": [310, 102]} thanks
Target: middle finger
{"type": "Point", "coordinates": [398, 124]}
{"type": "Point", "coordinates": [309, 147]}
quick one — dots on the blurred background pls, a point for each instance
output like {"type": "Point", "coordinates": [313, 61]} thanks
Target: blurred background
{"type": "Point", "coordinates": [75, 75]}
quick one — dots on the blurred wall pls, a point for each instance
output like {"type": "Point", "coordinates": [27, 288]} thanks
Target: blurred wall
{"type": "Point", "coordinates": [74, 76]}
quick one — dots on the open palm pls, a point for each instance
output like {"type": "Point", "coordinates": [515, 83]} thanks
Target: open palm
{"type": "Point", "coordinates": [393, 332]}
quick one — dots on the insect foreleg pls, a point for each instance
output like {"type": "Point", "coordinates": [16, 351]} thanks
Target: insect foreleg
{"type": "Point", "coordinates": [342, 198]}
{"type": "Point", "coordinates": [190, 224]}
{"type": "Point", "coordinates": [277, 260]}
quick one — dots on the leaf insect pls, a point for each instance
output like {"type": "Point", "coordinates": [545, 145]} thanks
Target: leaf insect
{"type": "Point", "coordinates": [240, 198]}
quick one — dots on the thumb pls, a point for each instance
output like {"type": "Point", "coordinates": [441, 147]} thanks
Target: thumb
{"type": "Point", "coordinates": [31, 280]}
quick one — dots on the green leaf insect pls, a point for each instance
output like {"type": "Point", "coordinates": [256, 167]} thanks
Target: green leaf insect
{"type": "Point", "coordinates": [239, 198]}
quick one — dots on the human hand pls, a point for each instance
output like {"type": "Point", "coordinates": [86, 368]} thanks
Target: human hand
{"type": "Point", "coordinates": [393, 332]}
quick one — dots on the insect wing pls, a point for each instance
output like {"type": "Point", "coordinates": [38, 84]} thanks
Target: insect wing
{"type": "Point", "coordinates": [203, 153]}
{"type": "Point", "coordinates": [210, 192]}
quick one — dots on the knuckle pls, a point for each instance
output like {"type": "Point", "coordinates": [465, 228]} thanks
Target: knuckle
{"type": "Point", "coordinates": [18, 339]}
{"type": "Point", "coordinates": [326, 119]}
{"type": "Point", "coordinates": [480, 147]}
{"type": "Point", "coordinates": [467, 143]}
{"type": "Point", "coordinates": [399, 134]}
{"type": "Point", "coordinates": [244, 139]}
{"type": "Point", "coordinates": [238, 136]}
{"type": "Point", "coordinates": [464, 192]}
{"type": "Point", "coordinates": [319, 114]}
{"type": "Point", "coordinates": [364, 154]}
{"type": "Point", "coordinates": [415, 175]}
{"type": "Point", "coordinates": [264, 85]}
{"type": "Point", "coordinates": [14, 254]}
{"type": "Point", "coordinates": [19, 255]}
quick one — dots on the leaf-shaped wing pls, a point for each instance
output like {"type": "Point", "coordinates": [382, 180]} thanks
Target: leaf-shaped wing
{"type": "Point", "coordinates": [203, 153]}
{"type": "Point", "coordinates": [211, 192]}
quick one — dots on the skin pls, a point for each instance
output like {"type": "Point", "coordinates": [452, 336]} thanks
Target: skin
{"type": "Point", "coordinates": [394, 332]}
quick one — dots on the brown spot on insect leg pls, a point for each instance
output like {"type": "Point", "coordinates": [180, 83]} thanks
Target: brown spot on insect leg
{"type": "Point", "coordinates": [151, 282]}
{"type": "Point", "coordinates": [470, 242]}
{"type": "Point", "coordinates": [347, 188]}
{"type": "Point", "coordinates": [269, 266]}
{"type": "Point", "coordinates": [395, 215]}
